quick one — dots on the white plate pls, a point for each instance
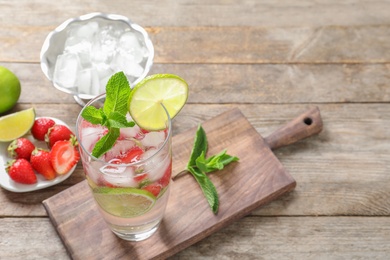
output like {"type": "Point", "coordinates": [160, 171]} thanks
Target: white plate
{"type": "Point", "coordinates": [8, 184]}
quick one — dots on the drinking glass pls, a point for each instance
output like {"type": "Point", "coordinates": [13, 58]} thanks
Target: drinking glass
{"type": "Point", "coordinates": [130, 183]}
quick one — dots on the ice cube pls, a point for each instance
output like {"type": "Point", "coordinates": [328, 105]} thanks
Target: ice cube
{"type": "Point", "coordinates": [130, 132]}
{"type": "Point", "coordinates": [153, 139]}
{"type": "Point", "coordinates": [120, 148]}
{"type": "Point", "coordinates": [85, 31]}
{"type": "Point", "coordinates": [148, 153]}
{"type": "Point", "coordinates": [108, 39]}
{"type": "Point", "coordinates": [82, 49]}
{"type": "Point", "coordinates": [119, 175]}
{"type": "Point", "coordinates": [103, 70]}
{"type": "Point", "coordinates": [157, 166]}
{"type": "Point", "coordinates": [129, 41]}
{"type": "Point", "coordinates": [103, 83]}
{"type": "Point", "coordinates": [92, 170]}
{"type": "Point", "coordinates": [133, 69]}
{"type": "Point", "coordinates": [88, 81]}
{"type": "Point", "coordinates": [98, 55]}
{"type": "Point", "coordinates": [65, 70]}
{"type": "Point", "coordinates": [90, 135]}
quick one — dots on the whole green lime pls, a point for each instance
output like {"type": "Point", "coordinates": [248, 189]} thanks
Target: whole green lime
{"type": "Point", "coordinates": [9, 89]}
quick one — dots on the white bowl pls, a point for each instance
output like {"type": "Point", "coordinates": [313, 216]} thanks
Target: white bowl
{"type": "Point", "coordinates": [54, 45]}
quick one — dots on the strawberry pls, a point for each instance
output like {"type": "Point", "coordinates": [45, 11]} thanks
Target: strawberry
{"type": "Point", "coordinates": [64, 155]}
{"type": "Point", "coordinates": [57, 133]}
{"type": "Point", "coordinates": [40, 161]}
{"type": "Point", "coordinates": [164, 181]}
{"type": "Point", "coordinates": [40, 127]}
{"type": "Point", "coordinates": [132, 155]}
{"type": "Point", "coordinates": [140, 177]}
{"type": "Point", "coordinates": [153, 188]}
{"type": "Point", "coordinates": [21, 171]}
{"type": "Point", "coordinates": [20, 148]}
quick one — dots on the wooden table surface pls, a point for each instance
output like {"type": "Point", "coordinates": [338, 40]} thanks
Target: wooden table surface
{"type": "Point", "coordinates": [272, 60]}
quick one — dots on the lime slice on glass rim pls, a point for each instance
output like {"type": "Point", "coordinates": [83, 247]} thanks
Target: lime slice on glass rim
{"type": "Point", "coordinates": [148, 96]}
{"type": "Point", "coordinates": [124, 202]}
{"type": "Point", "coordinates": [17, 124]}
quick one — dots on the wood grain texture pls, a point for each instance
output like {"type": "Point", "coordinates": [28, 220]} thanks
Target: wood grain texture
{"type": "Point", "coordinates": [256, 44]}
{"type": "Point", "coordinates": [296, 238]}
{"type": "Point", "coordinates": [249, 238]}
{"type": "Point", "coordinates": [23, 238]}
{"type": "Point", "coordinates": [272, 59]}
{"type": "Point", "coordinates": [255, 180]}
{"type": "Point", "coordinates": [243, 84]}
{"type": "Point", "coordinates": [204, 12]}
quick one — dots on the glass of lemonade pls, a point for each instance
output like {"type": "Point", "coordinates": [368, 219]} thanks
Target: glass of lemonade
{"type": "Point", "coordinates": [130, 183]}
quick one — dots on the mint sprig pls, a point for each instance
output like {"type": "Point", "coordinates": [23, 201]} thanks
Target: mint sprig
{"type": "Point", "coordinates": [112, 115]}
{"type": "Point", "coordinates": [198, 165]}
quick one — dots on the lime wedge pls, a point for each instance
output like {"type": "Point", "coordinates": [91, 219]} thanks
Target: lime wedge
{"type": "Point", "coordinates": [147, 96]}
{"type": "Point", "coordinates": [17, 124]}
{"type": "Point", "coordinates": [124, 202]}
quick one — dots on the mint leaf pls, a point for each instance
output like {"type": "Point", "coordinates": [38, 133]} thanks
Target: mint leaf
{"type": "Point", "coordinates": [200, 145]}
{"type": "Point", "coordinates": [208, 188]}
{"type": "Point", "coordinates": [117, 94]}
{"type": "Point", "coordinates": [198, 165]}
{"type": "Point", "coordinates": [106, 142]}
{"type": "Point", "coordinates": [119, 121]}
{"type": "Point", "coordinates": [93, 115]}
{"type": "Point", "coordinates": [215, 162]}
{"type": "Point", "coordinates": [113, 113]}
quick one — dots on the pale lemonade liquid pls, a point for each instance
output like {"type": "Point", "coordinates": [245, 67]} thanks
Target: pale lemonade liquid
{"type": "Point", "coordinates": [130, 183]}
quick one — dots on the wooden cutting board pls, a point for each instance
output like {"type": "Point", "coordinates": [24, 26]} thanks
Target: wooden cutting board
{"type": "Point", "coordinates": [243, 186]}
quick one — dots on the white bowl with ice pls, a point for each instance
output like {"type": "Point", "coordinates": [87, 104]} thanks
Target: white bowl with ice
{"type": "Point", "coordinates": [81, 54]}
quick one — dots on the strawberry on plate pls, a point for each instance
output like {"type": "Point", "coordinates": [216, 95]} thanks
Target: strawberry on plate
{"type": "Point", "coordinates": [21, 171]}
{"type": "Point", "coordinates": [40, 161]}
{"type": "Point", "coordinates": [64, 155]}
{"type": "Point", "coordinates": [41, 127]}
{"type": "Point", "coordinates": [20, 148]}
{"type": "Point", "coordinates": [57, 133]}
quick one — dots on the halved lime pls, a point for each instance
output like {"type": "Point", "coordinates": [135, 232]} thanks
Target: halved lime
{"type": "Point", "coordinates": [124, 202]}
{"type": "Point", "coordinates": [147, 96]}
{"type": "Point", "coordinates": [17, 124]}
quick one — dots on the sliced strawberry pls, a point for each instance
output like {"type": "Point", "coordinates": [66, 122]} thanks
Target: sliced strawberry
{"type": "Point", "coordinates": [41, 127]}
{"type": "Point", "coordinates": [144, 131]}
{"type": "Point", "coordinates": [40, 161]}
{"type": "Point", "coordinates": [132, 155]}
{"type": "Point", "coordinates": [20, 148]}
{"type": "Point", "coordinates": [57, 133]}
{"type": "Point", "coordinates": [153, 188]}
{"type": "Point", "coordinates": [140, 177]}
{"type": "Point", "coordinates": [21, 171]}
{"type": "Point", "coordinates": [64, 155]}
{"type": "Point", "coordinates": [165, 179]}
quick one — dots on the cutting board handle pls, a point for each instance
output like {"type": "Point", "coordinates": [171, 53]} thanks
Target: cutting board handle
{"type": "Point", "coordinates": [307, 124]}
